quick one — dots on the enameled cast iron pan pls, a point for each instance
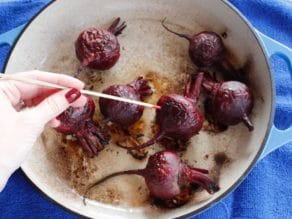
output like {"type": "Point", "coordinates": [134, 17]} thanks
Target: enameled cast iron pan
{"type": "Point", "coordinates": [47, 43]}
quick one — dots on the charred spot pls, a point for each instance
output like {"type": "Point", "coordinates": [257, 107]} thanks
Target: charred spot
{"type": "Point", "coordinates": [224, 35]}
{"type": "Point", "coordinates": [221, 158]}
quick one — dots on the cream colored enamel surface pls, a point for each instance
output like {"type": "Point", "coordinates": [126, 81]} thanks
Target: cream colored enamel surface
{"type": "Point", "coordinates": [48, 44]}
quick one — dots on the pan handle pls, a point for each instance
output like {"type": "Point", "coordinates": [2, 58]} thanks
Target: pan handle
{"type": "Point", "coordinates": [277, 137]}
{"type": "Point", "coordinates": [10, 36]}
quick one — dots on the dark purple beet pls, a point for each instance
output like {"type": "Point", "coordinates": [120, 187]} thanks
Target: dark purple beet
{"type": "Point", "coordinates": [78, 121]}
{"type": "Point", "coordinates": [228, 103]}
{"type": "Point", "coordinates": [122, 113]}
{"type": "Point", "coordinates": [207, 49]}
{"type": "Point", "coordinates": [99, 48]}
{"type": "Point", "coordinates": [179, 117]}
{"type": "Point", "coordinates": [166, 177]}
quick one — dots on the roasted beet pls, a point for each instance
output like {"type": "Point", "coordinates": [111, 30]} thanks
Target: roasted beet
{"type": "Point", "coordinates": [99, 48]}
{"type": "Point", "coordinates": [179, 117]}
{"type": "Point", "coordinates": [78, 121]}
{"type": "Point", "coordinates": [122, 113]}
{"type": "Point", "coordinates": [228, 103]}
{"type": "Point", "coordinates": [207, 49]}
{"type": "Point", "coordinates": [167, 177]}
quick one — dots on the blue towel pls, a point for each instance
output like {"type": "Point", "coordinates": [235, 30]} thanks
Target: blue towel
{"type": "Point", "coordinates": [265, 193]}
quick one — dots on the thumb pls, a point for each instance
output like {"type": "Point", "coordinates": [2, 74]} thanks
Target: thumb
{"type": "Point", "coordinates": [55, 104]}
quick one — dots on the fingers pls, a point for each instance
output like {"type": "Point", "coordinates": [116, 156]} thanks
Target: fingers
{"type": "Point", "coordinates": [10, 92]}
{"type": "Point", "coordinates": [54, 105]}
{"type": "Point", "coordinates": [39, 98]}
{"type": "Point", "coordinates": [27, 91]}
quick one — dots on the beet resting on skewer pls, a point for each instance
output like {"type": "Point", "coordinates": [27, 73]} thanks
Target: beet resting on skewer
{"type": "Point", "coordinates": [78, 121]}
{"type": "Point", "coordinates": [228, 103]}
{"type": "Point", "coordinates": [207, 49]}
{"type": "Point", "coordinates": [169, 179]}
{"type": "Point", "coordinates": [122, 113]}
{"type": "Point", "coordinates": [179, 117]}
{"type": "Point", "coordinates": [99, 48]}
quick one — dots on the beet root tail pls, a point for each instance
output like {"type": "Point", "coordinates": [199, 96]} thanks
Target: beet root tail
{"type": "Point", "coordinates": [247, 122]}
{"type": "Point", "coordinates": [144, 145]}
{"type": "Point", "coordinates": [186, 36]}
{"type": "Point", "coordinates": [196, 175]}
{"type": "Point", "coordinates": [126, 172]}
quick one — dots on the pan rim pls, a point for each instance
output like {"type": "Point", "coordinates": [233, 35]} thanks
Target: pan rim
{"type": "Point", "coordinates": [248, 169]}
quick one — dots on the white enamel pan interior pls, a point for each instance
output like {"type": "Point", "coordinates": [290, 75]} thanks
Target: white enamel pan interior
{"type": "Point", "coordinates": [148, 50]}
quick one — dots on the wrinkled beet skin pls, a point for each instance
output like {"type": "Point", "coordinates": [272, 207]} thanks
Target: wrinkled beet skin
{"type": "Point", "coordinates": [206, 49]}
{"type": "Point", "coordinates": [162, 168]}
{"type": "Point", "coordinates": [228, 101]}
{"type": "Point", "coordinates": [100, 47]}
{"type": "Point", "coordinates": [168, 178]}
{"type": "Point", "coordinates": [122, 113]}
{"type": "Point", "coordinates": [171, 181]}
{"type": "Point", "coordinates": [78, 121]}
{"type": "Point", "coordinates": [178, 117]}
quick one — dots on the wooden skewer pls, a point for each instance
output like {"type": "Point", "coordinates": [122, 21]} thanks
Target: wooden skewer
{"type": "Point", "coordinates": [88, 92]}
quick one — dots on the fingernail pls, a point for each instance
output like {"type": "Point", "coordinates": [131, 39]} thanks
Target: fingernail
{"type": "Point", "coordinates": [72, 95]}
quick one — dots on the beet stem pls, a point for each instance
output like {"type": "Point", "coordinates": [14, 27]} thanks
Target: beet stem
{"type": "Point", "coordinates": [208, 84]}
{"type": "Point", "coordinates": [114, 25]}
{"type": "Point", "coordinates": [115, 29]}
{"type": "Point", "coordinates": [186, 36]}
{"type": "Point", "coordinates": [193, 91]}
{"type": "Point", "coordinates": [144, 145]}
{"type": "Point", "coordinates": [200, 170]}
{"type": "Point", "coordinates": [247, 122]}
{"type": "Point", "coordinates": [128, 172]}
{"type": "Point", "coordinates": [83, 65]}
{"type": "Point", "coordinates": [94, 147]}
{"type": "Point", "coordinates": [120, 29]}
{"type": "Point", "coordinates": [85, 145]}
{"type": "Point", "coordinates": [196, 176]}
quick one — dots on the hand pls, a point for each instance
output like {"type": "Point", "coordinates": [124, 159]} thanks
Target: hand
{"type": "Point", "coordinates": [24, 111]}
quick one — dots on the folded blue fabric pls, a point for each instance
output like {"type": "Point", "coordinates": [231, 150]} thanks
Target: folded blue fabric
{"type": "Point", "coordinates": [265, 193]}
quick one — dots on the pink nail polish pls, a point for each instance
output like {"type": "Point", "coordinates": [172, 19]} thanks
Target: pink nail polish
{"type": "Point", "coordinates": [72, 95]}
